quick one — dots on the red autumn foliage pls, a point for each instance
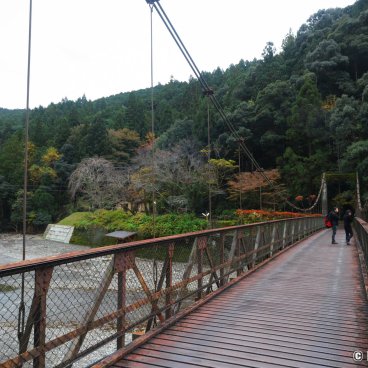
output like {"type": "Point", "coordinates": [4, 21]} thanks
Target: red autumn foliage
{"type": "Point", "coordinates": [268, 215]}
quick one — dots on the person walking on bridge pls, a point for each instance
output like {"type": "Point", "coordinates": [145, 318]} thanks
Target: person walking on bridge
{"type": "Point", "coordinates": [334, 218]}
{"type": "Point", "coordinates": [348, 219]}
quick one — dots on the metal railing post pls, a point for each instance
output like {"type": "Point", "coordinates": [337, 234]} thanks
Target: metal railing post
{"type": "Point", "coordinates": [273, 238]}
{"type": "Point", "coordinates": [256, 245]}
{"type": "Point", "coordinates": [239, 268]}
{"type": "Point", "coordinates": [120, 267]}
{"type": "Point", "coordinates": [169, 278]}
{"type": "Point", "coordinates": [222, 259]}
{"type": "Point", "coordinates": [299, 229]}
{"type": "Point", "coordinates": [232, 254]}
{"type": "Point", "coordinates": [186, 274]}
{"type": "Point", "coordinates": [292, 232]}
{"type": "Point", "coordinates": [201, 245]}
{"type": "Point", "coordinates": [284, 235]}
{"type": "Point", "coordinates": [42, 283]}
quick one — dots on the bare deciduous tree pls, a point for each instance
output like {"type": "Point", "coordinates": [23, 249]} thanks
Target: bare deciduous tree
{"type": "Point", "coordinates": [98, 182]}
{"type": "Point", "coordinates": [169, 173]}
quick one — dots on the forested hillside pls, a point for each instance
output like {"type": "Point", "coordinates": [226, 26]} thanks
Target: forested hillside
{"type": "Point", "coordinates": [302, 109]}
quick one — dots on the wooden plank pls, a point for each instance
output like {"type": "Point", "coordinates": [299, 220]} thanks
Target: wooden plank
{"type": "Point", "coordinates": [311, 335]}
{"type": "Point", "coordinates": [134, 364]}
{"type": "Point", "coordinates": [261, 343]}
{"type": "Point", "coordinates": [273, 320]}
{"type": "Point", "coordinates": [227, 349]}
{"type": "Point", "coordinates": [219, 358]}
{"type": "Point", "coordinates": [170, 361]}
{"type": "Point", "coordinates": [352, 325]}
{"type": "Point", "coordinates": [260, 337]}
{"type": "Point", "coordinates": [321, 332]}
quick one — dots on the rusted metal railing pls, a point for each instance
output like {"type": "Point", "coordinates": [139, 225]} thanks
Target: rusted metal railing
{"type": "Point", "coordinates": [82, 306]}
{"type": "Point", "coordinates": [361, 230]}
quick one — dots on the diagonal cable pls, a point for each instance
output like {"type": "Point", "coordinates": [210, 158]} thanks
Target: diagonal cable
{"type": "Point", "coordinates": [209, 92]}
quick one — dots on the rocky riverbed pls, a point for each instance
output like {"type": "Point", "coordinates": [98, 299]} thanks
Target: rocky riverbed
{"type": "Point", "coordinates": [11, 246]}
{"type": "Point", "coordinates": [72, 291]}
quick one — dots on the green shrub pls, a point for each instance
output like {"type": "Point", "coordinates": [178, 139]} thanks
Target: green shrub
{"type": "Point", "coordinates": [73, 219]}
{"type": "Point", "coordinates": [171, 224]}
{"type": "Point", "coordinates": [90, 226]}
{"type": "Point", "coordinates": [226, 223]}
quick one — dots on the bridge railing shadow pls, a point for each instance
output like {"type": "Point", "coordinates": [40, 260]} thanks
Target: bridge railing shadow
{"type": "Point", "coordinates": [78, 307]}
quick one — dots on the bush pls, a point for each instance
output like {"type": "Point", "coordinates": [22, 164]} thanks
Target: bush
{"type": "Point", "coordinates": [171, 224]}
{"type": "Point", "coordinates": [227, 223]}
{"type": "Point", "coordinates": [90, 225]}
{"type": "Point", "coordinates": [251, 216]}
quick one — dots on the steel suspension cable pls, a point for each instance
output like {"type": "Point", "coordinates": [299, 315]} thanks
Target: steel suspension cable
{"type": "Point", "coordinates": [185, 51]}
{"type": "Point", "coordinates": [209, 158]}
{"type": "Point", "coordinates": [21, 315]}
{"type": "Point", "coordinates": [154, 264]}
{"type": "Point", "coordinates": [207, 90]}
{"type": "Point", "coordinates": [26, 139]}
{"type": "Point", "coordinates": [239, 173]}
{"type": "Point", "coordinates": [178, 41]}
{"type": "Point", "coordinates": [153, 131]}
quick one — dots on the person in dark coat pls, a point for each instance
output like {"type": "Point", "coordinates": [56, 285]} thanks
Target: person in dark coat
{"type": "Point", "coordinates": [348, 219]}
{"type": "Point", "coordinates": [334, 218]}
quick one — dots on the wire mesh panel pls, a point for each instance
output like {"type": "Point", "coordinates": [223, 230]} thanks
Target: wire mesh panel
{"type": "Point", "coordinates": [13, 302]}
{"type": "Point", "coordinates": [81, 307]}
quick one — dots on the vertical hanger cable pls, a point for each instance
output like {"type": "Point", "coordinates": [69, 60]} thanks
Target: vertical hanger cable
{"type": "Point", "coordinates": [25, 176]}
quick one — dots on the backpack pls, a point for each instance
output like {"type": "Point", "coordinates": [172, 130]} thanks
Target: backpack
{"type": "Point", "coordinates": [328, 222]}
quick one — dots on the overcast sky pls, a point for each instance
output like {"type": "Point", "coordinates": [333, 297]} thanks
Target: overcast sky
{"type": "Point", "coordinates": [102, 47]}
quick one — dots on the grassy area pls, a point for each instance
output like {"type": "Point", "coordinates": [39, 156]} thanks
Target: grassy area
{"type": "Point", "coordinates": [90, 227]}
{"type": "Point", "coordinates": [74, 218]}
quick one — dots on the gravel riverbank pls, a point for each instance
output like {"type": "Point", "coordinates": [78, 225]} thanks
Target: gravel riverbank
{"type": "Point", "coordinates": [72, 292]}
{"type": "Point", "coordinates": [11, 246]}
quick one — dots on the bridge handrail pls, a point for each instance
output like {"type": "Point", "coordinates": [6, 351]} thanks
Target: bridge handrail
{"type": "Point", "coordinates": [97, 297]}
{"type": "Point", "coordinates": [361, 230]}
{"type": "Point", "coordinates": [69, 257]}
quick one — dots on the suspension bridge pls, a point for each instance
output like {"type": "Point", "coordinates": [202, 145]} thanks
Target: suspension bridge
{"type": "Point", "coordinates": [267, 294]}
{"type": "Point", "coordinates": [261, 295]}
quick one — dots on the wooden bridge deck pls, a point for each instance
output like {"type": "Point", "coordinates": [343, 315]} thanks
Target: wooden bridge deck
{"type": "Point", "coordinates": [307, 308]}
